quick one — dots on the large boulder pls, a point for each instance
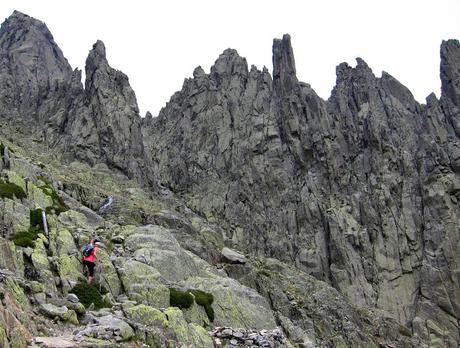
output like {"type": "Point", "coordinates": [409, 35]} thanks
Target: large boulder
{"type": "Point", "coordinates": [143, 283]}
{"type": "Point", "coordinates": [146, 315]}
{"type": "Point", "coordinates": [157, 247]}
{"type": "Point", "coordinates": [234, 305]}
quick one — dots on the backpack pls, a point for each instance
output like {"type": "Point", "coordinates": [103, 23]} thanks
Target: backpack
{"type": "Point", "coordinates": [88, 250]}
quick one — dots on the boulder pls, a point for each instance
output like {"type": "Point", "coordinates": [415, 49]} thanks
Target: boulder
{"type": "Point", "coordinates": [10, 257]}
{"type": "Point", "coordinates": [119, 327]}
{"type": "Point", "coordinates": [143, 283]}
{"type": "Point", "coordinates": [232, 256]}
{"type": "Point", "coordinates": [14, 215]}
{"type": "Point", "coordinates": [106, 274]}
{"type": "Point", "coordinates": [234, 304]}
{"type": "Point", "coordinates": [157, 247]}
{"type": "Point", "coordinates": [146, 315]}
{"type": "Point", "coordinates": [62, 313]}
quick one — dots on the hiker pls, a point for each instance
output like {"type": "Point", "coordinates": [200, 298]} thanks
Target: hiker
{"type": "Point", "coordinates": [89, 256]}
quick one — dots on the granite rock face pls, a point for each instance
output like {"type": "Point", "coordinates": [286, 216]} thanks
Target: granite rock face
{"type": "Point", "coordinates": [359, 191]}
{"type": "Point", "coordinates": [33, 70]}
{"type": "Point", "coordinates": [41, 94]}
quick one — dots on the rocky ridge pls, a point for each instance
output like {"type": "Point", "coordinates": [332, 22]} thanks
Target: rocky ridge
{"type": "Point", "coordinates": [346, 210]}
{"type": "Point", "coordinates": [42, 94]}
{"type": "Point", "coordinates": [360, 190]}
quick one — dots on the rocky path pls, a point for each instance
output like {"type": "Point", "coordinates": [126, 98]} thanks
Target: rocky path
{"type": "Point", "coordinates": [54, 342]}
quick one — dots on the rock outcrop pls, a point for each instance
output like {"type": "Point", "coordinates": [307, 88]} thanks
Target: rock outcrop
{"type": "Point", "coordinates": [359, 190]}
{"type": "Point", "coordinates": [344, 211]}
{"type": "Point", "coordinates": [43, 96]}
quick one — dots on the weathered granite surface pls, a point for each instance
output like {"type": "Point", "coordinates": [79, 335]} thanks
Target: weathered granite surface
{"type": "Point", "coordinates": [359, 191]}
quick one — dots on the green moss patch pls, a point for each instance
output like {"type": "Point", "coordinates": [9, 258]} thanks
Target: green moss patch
{"type": "Point", "coordinates": [184, 299]}
{"type": "Point", "coordinates": [88, 294]}
{"type": "Point", "coordinates": [48, 189]}
{"type": "Point", "coordinates": [181, 299]}
{"type": "Point", "coordinates": [10, 190]}
{"type": "Point", "coordinates": [26, 238]}
{"type": "Point", "coordinates": [205, 299]}
{"type": "Point", "coordinates": [36, 219]}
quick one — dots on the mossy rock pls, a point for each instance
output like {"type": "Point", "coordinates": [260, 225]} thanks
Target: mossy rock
{"type": "Point", "coordinates": [199, 337]}
{"type": "Point", "coordinates": [2, 149]}
{"type": "Point", "coordinates": [88, 294]}
{"type": "Point", "coordinates": [39, 256]}
{"type": "Point", "coordinates": [106, 274]}
{"type": "Point", "coordinates": [69, 269]}
{"type": "Point", "coordinates": [177, 323]}
{"type": "Point", "coordinates": [26, 238]}
{"type": "Point", "coordinates": [58, 203]}
{"type": "Point", "coordinates": [180, 299]}
{"type": "Point", "coordinates": [184, 300]}
{"type": "Point", "coordinates": [146, 315]}
{"type": "Point", "coordinates": [235, 305]}
{"type": "Point", "coordinates": [10, 190]}
{"type": "Point", "coordinates": [14, 178]}
{"type": "Point", "coordinates": [14, 290]}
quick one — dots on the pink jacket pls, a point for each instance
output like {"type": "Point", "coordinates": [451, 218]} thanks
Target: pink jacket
{"type": "Point", "coordinates": [91, 257]}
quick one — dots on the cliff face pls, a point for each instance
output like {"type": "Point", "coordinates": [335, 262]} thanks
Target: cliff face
{"type": "Point", "coordinates": [41, 93]}
{"type": "Point", "coordinates": [360, 191]}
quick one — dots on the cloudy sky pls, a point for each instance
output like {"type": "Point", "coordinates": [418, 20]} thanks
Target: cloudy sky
{"type": "Point", "coordinates": [159, 43]}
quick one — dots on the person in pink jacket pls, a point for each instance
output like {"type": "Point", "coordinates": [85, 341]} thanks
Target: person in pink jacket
{"type": "Point", "coordinates": [90, 258]}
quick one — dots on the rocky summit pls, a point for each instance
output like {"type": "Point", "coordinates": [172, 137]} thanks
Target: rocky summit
{"type": "Point", "coordinates": [249, 213]}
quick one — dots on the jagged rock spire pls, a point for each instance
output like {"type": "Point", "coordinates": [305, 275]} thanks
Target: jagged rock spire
{"type": "Point", "coordinates": [31, 68]}
{"type": "Point", "coordinates": [450, 70]}
{"type": "Point", "coordinates": [284, 71]}
{"type": "Point", "coordinates": [96, 58]}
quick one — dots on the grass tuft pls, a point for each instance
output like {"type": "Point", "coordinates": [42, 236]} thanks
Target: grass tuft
{"type": "Point", "coordinates": [88, 294]}
{"type": "Point", "coordinates": [10, 190]}
{"type": "Point", "coordinates": [181, 299]}
{"type": "Point", "coordinates": [26, 238]}
{"type": "Point", "coordinates": [184, 299]}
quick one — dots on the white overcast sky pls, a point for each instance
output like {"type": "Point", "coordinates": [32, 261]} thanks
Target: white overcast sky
{"type": "Point", "coordinates": [159, 43]}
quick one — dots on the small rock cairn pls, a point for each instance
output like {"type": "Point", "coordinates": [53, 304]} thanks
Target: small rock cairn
{"type": "Point", "coordinates": [229, 337]}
